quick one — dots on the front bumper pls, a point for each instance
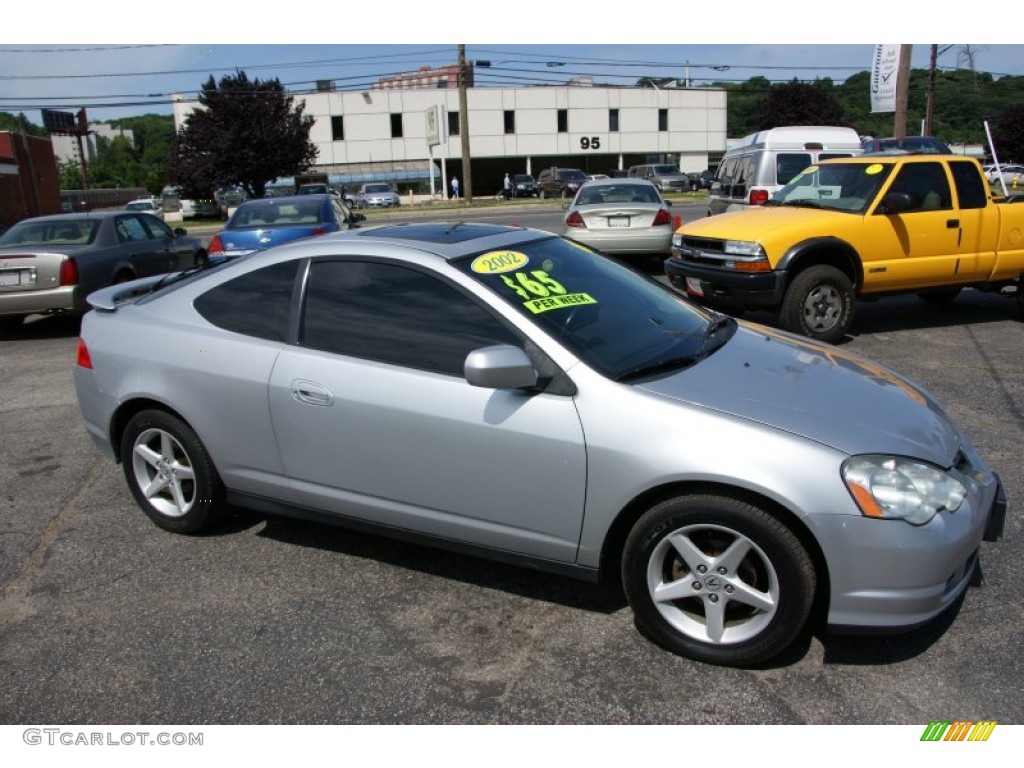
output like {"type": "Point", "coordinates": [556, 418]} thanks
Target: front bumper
{"type": "Point", "coordinates": [889, 576]}
{"type": "Point", "coordinates": [754, 289]}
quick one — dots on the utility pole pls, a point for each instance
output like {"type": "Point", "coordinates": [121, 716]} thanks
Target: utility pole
{"type": "Point", "coordinates": [467, 176]}
{"type": "Point", "coordinates": [930, 103]}
{"type": "Point", "coordinates": [899, 129]}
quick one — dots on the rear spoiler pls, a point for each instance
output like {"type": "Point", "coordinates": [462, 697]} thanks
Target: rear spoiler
{"type": "Point", "coordinates": [108, 299]}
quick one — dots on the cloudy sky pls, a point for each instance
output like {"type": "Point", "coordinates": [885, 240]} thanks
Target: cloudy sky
{"type": "Point", "coordinates": [116, 72]}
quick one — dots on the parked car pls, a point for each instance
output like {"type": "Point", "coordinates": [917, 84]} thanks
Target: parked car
{"type": "Point", "coordinates": [313, 189]}
{"type": "Point", "coordinates": [259, 224]}
{"type": "Point", "coordinates": [377, 196]}
{"type": "Point", "coordinates": [49, 264]}
{"type": "Point", "coordinates": [559, 182]}
{"type": "Point", "coordinates": [666, 177]}
{"type": "Point", "coordinates": [701, 180]}
{"type": "Point", "coordinates": [523, 185]}
{"type": "Point", "coordinates": [201, 208]}
{"type": "Point", "coordinates": [762, 163]}
{"type": "Point", "coordinates": [920, 145]}
{"type": "Point", "coordinates": [151, 205]}
{"type": "Point", "coordinates": [1011, 172]}
{"type": "Point", "coordinates": [620, 217]}
{"type": "Point", "coordinates": [594, 424]}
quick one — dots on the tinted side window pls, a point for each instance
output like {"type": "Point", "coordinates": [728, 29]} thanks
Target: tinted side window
{"type": "Point", "coordinates": [926, 184]}
{"type": "Point", "coordinates": [255, 304]}
{"type": "Point", "coordinates": [789, 164]}
{"type": "Point", "coordinates": [157, 228]}
{"type": "Point", "coordinates": [395, 315]}
{"type": "Point", "coordinates": [744, 176]}
{"type": "Point", "coordinates": [130, 229]}
{"type": "Point", "coordinates": [970, 190]}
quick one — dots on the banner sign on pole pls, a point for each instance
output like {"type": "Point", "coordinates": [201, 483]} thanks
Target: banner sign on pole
{"type": "Point", "coordinates": [884, 67]}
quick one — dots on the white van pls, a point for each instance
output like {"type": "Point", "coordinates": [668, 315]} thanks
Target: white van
{"type": "Point", "coordinates": [762, 162]}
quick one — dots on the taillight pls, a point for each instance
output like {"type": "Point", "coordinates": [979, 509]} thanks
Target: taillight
{"type": "Point", "coordinates": [758, 196]}
{"type": "Point", "coordinates": [82, 355]}
{"type": "Point", "coordinates": [574, 220]}
{"type": "Point", "coordinates": [216, 246]}
{"type": "Point", "coordinates": [69, 272]}
{"type": "Point", "coordinates": [319, 231]}
{"type": "Point", "coordinates": [662, 218]}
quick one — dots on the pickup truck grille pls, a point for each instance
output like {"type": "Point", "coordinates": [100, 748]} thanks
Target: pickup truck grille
{"type": "Point", "coordinates": [701, 250]}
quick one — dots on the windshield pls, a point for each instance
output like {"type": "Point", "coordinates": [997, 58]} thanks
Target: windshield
{"type": "Point", "coordinates": [53, 231]}
{"type": "Point", "coordinates": [378, 188]}
{"type": "Point", "coordinates": [849, 187]}
{"type": "Point", "coordinates": [666, 170]}
{"type": "Point", "coordinates": [619, 322]}
{"type": "Point", "coordinates": [572, 175]}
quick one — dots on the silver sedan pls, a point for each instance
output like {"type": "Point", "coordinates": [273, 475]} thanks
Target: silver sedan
{"type": "Point", "coordinates": [503, 392]}
{"type": "Point", "coordinates": [621, 217]}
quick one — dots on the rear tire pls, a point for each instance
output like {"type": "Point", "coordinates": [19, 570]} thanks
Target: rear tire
{"type": "Point", "coordinates": [170, 473]}
{"type": "Point", "coordinates": [819, 304]}
{"type": "Point", "coordinates": [718, 580]}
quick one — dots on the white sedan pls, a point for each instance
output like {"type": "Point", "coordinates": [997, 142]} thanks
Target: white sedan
{"type": "Point", "coordinates": [621, 217]}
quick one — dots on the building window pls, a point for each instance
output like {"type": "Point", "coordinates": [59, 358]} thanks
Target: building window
{"type": "Point", "coordinates": [396, 126]}
{"type": "Point", "coordinates": [510, 121]}
{"type": "Point", "coordinates": [338, 127]}
{"type": "Point", "coordinates": [563, 121]}
{"type": "Point", "coordinates": [453, 123]}
{"type": "Point", "coordinates": [662, 119]}
{"type": "Point", "coordinates": [613, 120]}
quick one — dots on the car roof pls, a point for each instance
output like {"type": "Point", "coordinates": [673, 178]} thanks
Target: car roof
{"type": "Point", "coordinates": [88, 215]}
{"type": "Point", "coordinates": [286, 199]}
{"type": "Point", "coordinates": [880, 157]}
{"type": "Point", "coordinates": [448, 240]}
{"type": "Point", "coordinates": [613, 182]}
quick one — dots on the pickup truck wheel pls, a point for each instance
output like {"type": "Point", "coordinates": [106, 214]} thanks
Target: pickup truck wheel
{"type": "Point", "coordinates": [819, 304]}
{"type": "Point", "coordinates": [939, 298]}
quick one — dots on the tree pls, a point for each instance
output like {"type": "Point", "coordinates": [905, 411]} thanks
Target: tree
{"type": "Point", "coordinates": [797, 103]}
{"type": "Point", "coordinates": [246, 133]}
{"type": "Point", "coordinates": [70, 174]}
{"type": "Point", "coordinates": [1008, 134]}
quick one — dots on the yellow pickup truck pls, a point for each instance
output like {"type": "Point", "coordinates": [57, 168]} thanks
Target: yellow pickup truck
{"type": "Point", "coordinates": [860, 227]}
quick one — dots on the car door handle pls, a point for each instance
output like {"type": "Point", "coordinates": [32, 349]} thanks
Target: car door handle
{"type": "Point", "coordinates": [311, 393]}
{"type": "Point", "coordinates": [952, 223]}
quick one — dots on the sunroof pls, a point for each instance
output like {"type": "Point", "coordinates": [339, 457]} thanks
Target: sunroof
{"type": "Point", "coordinates": [449, 232]}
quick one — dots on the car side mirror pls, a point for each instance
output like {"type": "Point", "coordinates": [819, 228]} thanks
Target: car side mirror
{"type": "Point", "coordinates": [896, 202]}
{"type": "Point", "coordinates": [180, 231]}
{"type": "Point", "coordinates": [501, 366]}
{"type": "Point", "coordinates": [668, 203]}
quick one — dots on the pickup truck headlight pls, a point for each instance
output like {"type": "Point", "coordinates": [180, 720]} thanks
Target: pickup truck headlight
{"type": "Point", "coordinates": [744, 248]}
{"type": "Point", "coordinates": [893, 487]}
{"type": "Point", "coordinates": [677, 240]}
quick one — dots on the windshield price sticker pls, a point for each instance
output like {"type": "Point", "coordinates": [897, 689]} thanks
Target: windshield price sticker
{"type": "Point", "coordinates": [872, 169]}
{"type": "Point", "coordinates": [542, 292]}
{"type": "Point", "coordinates": [496, 262]}
{"type": "Point", "coordinates": [536, 306]}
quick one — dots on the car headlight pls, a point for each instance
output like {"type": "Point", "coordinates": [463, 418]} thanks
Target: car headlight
{"type": "Point", "coordinates": [891, 487]}
{"type": "Point", "coordinates": [677, 240]}
{"type": "Point", "coordinates": [744, 248]}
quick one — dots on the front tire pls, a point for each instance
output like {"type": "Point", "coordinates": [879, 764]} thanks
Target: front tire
{"type": "Point", "coordinates": [717, 580]}
{"type": "Point", "coordinates": [819, 304]}
{"type": "Point", "coordinates": [170, 473]}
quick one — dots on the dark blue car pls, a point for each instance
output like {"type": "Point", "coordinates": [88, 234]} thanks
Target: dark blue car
{"type": "Point", "coordinates": [260, 224]}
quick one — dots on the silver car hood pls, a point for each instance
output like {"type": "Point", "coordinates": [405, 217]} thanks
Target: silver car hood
{"type": "Point", "coordinates": [819, 392]}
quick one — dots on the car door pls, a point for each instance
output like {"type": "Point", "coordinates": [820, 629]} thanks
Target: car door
{"type": "Point", "coordinates": [138, 247]}
{"type": "Point", "coordinates": [179, 252]}
{"type": "Point", "coordinates": [919, 246]}
{"type": "Point", "coordinates": [375, 420]}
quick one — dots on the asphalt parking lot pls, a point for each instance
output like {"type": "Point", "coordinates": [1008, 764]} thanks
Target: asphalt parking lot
{"type": "Point", "coordinates": [106, 619]}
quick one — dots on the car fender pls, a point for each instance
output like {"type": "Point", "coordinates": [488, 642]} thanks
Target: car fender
{"type": "Point", "coordinates": [823, 250]}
